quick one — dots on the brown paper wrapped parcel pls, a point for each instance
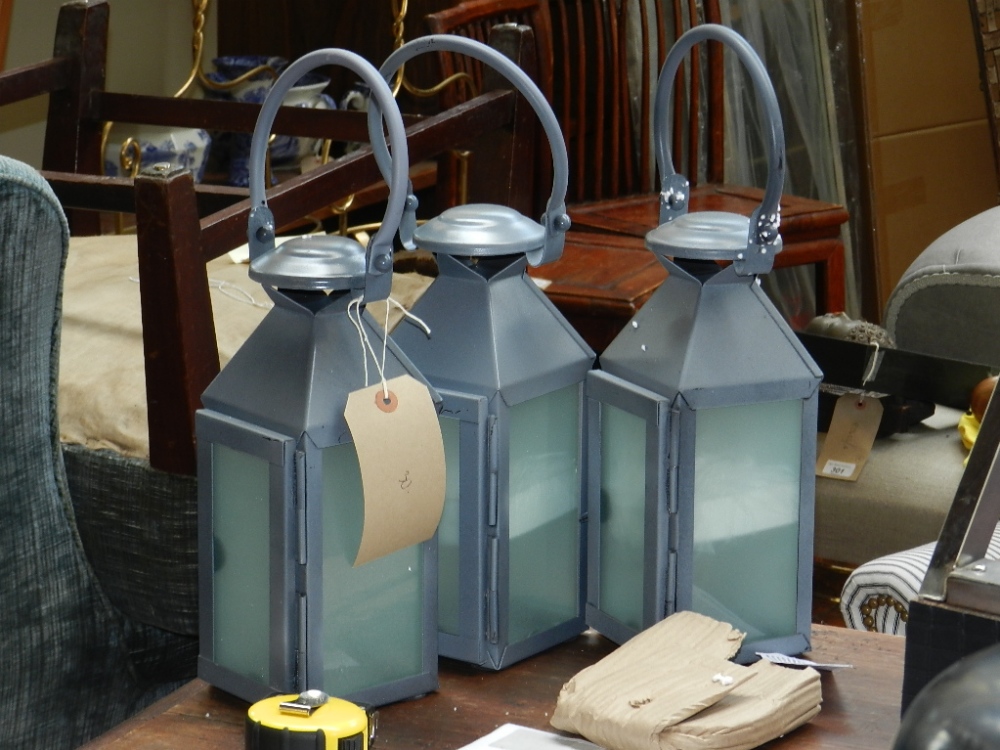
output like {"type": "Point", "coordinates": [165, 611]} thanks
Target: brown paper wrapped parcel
{"type": "Point", "coordinates": [673, 686]}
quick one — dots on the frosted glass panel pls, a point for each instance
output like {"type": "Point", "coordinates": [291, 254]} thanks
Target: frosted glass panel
{"type": "Point", "coordinates": [545, 493]}
{"type": "Point", "coordinates": [746, 516]}
{"type": "Point", "coordinates": [623, 505]}
{"type": "Point", "coordinates": [372, 614]}
{"type": "Point", "coordinates": [240, 503]}
{"type": "Point", "coordinates": [448, 547]}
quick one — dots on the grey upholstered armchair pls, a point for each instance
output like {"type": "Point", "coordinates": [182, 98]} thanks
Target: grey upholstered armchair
{"type": "Point", "coordinates": [73, 664]}
{"type": "Point", "coordinates": [946, 304]}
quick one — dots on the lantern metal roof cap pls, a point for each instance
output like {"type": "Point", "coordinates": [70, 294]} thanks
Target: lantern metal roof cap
{"type": "Point", "coordinates": [480, 231]}
{"type": "Point", "coordinates": [324, 262]}
{"type": "Point", "coordinates": [751, 243]}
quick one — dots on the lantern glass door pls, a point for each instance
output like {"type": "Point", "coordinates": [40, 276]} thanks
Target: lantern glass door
{"type": "Point", "coordinates": [241, 507]}
{"type": "Point", "coordinates": [623, 515]}
{"type": "Point", "coordinates": [363, 647]}
{"type": "Point", "coordinates": [747, 485]}
{"type": "Point", "coordinates": [544, 513]}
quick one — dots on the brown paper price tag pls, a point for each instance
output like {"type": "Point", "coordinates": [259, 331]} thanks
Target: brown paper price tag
{"type": "Point", "coordinates": [401, 455]}
{"type": "Point", "coordinates": [850, 438]}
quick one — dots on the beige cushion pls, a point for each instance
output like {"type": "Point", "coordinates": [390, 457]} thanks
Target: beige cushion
{"type": "Point", "coordinates": [102, 389]}
{"type": "Point", "coordinates": [899, 501]}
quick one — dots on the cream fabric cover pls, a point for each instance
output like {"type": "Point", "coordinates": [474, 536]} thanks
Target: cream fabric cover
{"type": "Point", "coordinates": [899, 501]}
{"type": "Point", "coordinates": [102, 389]}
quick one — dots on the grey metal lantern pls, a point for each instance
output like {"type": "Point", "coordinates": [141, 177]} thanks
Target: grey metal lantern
{"type": "Point", "coordinates": [283, 607]}
{"type": "Point", "coordinates": [510, 371]}
{"type": "Point", "coordinates": [702, 422]}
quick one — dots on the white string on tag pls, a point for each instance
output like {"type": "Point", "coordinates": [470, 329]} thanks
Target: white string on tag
{"type": "Point", "coordinates": [385, 346]}
{"type": "Point", "coordinates": [355, 306]}
{"type": "Point", "coordinates": [366, 346]}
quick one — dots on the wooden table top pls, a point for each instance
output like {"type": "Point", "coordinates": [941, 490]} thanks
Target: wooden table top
{"type": "Point", "coordinates": [802, 219]}
{"type": "Point", "coordinates": [860, 705]}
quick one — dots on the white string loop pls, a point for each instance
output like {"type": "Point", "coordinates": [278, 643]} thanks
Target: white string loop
{"type": "Point", "coordinates": [406, 314]}
{"type": "Point", "coordinates": [366, 346]}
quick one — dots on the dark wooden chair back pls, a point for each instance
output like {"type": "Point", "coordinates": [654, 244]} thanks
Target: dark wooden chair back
{"type": "Point", "coordinates": [606, 57]}
{"type": "Point", "coordinates": [181, 226]}
{"type": "Point", "coordinates": [474, 19]}
{"type": "Point", "coordinates": [601, 101]}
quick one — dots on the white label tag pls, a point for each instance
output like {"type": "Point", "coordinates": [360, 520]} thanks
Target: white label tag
{"type": "Point", "coordinates": [850, 437]}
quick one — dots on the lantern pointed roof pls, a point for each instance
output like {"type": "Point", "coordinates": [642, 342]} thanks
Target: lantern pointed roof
{"type": "Point", "coordinates": [716, 342]}
{"type": "Point", "coordinates": [493, 333]}
{"type": "Point", "coordinates": [294, 373]}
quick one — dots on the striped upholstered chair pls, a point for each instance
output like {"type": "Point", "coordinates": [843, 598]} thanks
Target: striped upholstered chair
{"type": "Point", "coordinates": [946, 304]}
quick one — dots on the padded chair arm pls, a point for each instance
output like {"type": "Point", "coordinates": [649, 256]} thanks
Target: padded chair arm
{"type": "Point", "coordinates": [945, 298]}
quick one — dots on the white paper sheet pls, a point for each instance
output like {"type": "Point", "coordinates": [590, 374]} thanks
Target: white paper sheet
{"type": "Point", "coordinates": [515, 737]}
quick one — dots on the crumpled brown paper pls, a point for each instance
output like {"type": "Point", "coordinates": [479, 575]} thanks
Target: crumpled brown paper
{"type": "Point", "coordinates": [673, 686]}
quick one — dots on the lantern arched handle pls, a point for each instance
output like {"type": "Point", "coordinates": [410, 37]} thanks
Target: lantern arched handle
{"type": "Point", "coordinates": [675, 188]}
{"type": "Point", "coordinates": [261, 228]}
{"type": "Point", "coordinates": [555, 220]}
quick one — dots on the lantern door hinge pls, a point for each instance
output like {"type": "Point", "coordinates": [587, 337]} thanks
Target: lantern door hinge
{"type": "Point", "coordinates": [492, 592]}
{"type": "Point", "coordinates": [300, 505]}
{"type": "Point", "coordinates": [671, 426]}
{"type": "Point", "coordinates": [492, 480]}
{"type": "Point", "coordinates": [670, 602]}
{"type": "Point", "coordinates": [301, 672]}
{"type": "Point", "coordinates": [673, 460]}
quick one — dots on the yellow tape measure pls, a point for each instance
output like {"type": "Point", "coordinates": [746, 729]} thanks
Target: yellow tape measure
{"type": "Point", "coordinates": [309, 721]}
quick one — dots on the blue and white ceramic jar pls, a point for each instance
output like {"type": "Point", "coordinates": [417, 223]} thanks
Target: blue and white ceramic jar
{"type": "Point", "coordinates": [286, 151]}
{"type": "Point", "coordinates": [187, 148]}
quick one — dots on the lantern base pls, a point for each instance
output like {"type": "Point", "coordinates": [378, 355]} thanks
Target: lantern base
{"type": "Point", "coordinates": [497, 656]}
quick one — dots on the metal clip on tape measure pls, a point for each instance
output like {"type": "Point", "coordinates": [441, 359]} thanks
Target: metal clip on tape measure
{"type": "Point", "coordinates": [310, 721]}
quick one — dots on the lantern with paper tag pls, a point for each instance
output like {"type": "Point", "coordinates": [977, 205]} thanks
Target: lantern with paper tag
{"type": "Point", "coordinates": [703, 422]}
{"type": "Point", "coordinates": [510, 371]}
{"type": "Point", "coordinates": [321, 466]}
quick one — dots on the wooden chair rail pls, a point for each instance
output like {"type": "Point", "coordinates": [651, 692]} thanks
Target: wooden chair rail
{"type": "Point", "coordinates": [228, 116]}
{"type": "Point", "coordinates": [309, 192]}
{"type": "Point", "coordinates": [28, 81]}
{"type": "Point", "coordinates": [179, 341]}
{"type": "Point", "coordinates": [226, 209]}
